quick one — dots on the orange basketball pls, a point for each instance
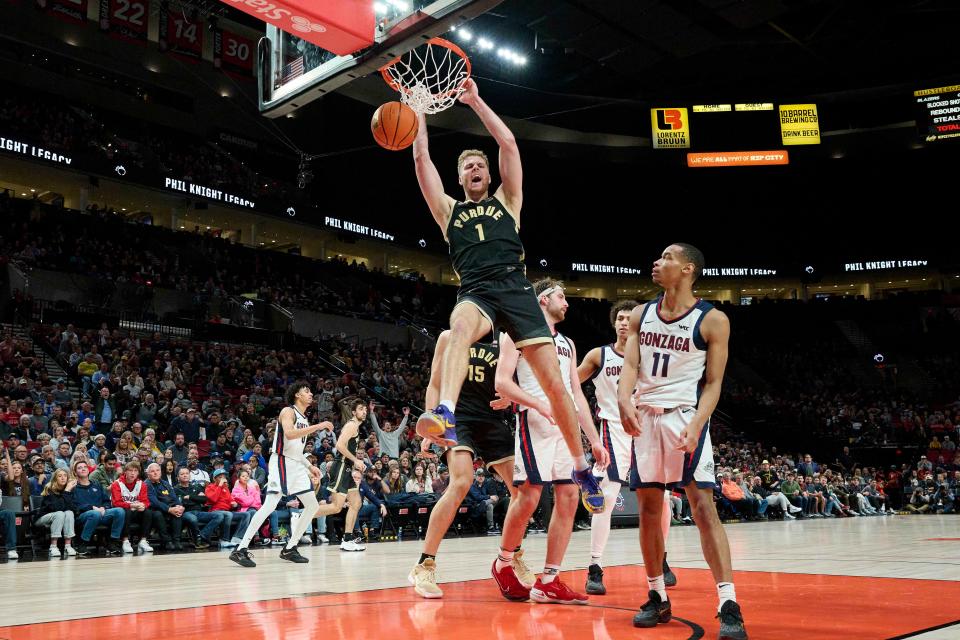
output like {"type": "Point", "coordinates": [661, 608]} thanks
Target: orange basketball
{"type": "Point", "coordinates": [394, 126]}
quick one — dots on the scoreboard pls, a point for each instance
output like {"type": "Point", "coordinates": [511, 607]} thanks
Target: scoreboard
{"type": "Point", "coordinates": [938, 112]}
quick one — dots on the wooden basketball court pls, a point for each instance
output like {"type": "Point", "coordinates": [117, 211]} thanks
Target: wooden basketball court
{"type": "Point", "coordinates": [863, 578]}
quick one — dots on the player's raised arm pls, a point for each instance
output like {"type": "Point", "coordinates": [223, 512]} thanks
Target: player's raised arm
{"type": "Point", "coordinates": [590, 365]}
{"type": "Point", "coordinates": [431, 185]}
{"type": "Point", "coordinates": [629, 416]}
{"type": "Point", "coordinates": [511, 171]}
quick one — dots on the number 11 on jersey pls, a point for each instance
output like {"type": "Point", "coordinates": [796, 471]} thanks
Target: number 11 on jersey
{"type": "Point", "coordinates": [656, 363]}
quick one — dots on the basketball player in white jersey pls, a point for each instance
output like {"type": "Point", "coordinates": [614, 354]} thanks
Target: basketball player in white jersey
{"type": "Point", "coordinates": [602, 366]}
{"type": "Point", "coordinates": [290, 473]}
{"type": "Point", "coordinates": [541, 456]}
{"type": "Point", "coordinates": [677, 344]}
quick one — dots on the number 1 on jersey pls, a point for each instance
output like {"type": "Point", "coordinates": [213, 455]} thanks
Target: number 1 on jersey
{"type": "Point", "coordinates": [656, 364]}
{"type": "Point", "coordinates": [480, 232]}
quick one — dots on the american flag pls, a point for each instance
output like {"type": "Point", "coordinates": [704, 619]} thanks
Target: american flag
{"type": "Point", "coordinates": [292, 70]}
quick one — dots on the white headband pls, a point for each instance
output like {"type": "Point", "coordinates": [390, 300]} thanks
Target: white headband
{"type": "Point", "coordinates": [550, 290]}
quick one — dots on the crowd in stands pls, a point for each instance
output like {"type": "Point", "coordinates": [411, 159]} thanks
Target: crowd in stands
{"type": "Point", "coordinates": [755, 482]}
{"type": "Point", "coordinates": [807, 374]}
{"type": "Point", "coordinates": [169, 436]}
{"type": "Point", "coordinates": [203, 266]}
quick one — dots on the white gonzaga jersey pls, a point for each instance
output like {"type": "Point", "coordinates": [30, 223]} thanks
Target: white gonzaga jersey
{"type": "Point", "coordinates": [673, 356]}
{"type": "Point", "coordinates": [292, 449]}
{"type": "Point", "coordinates": [605, 381]}
{"type": "Point", "coordinates": [528, 381]}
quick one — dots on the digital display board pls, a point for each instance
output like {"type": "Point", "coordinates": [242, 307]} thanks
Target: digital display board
{"type": "Point", "coordinates": [938, 112]}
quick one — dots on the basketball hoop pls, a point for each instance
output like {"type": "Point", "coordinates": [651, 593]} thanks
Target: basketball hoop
{"type": "Point", "coordinates": [429, 78]}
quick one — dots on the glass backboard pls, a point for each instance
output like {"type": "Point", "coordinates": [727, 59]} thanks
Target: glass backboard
{"type": "Point", "coordinates": [293, 72]}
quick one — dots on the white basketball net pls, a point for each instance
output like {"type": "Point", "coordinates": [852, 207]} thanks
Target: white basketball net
{"type": "Point", "coordinates": [429, 78]}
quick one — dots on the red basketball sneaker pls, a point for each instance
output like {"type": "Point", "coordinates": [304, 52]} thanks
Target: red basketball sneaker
{"type": "Point", "coordinates": [556, 592]}
{"type": "Point", "coordinates": [510, 586]}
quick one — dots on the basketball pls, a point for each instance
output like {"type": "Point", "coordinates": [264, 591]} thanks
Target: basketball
{"type": "Point", "coordinates": [394, 126]}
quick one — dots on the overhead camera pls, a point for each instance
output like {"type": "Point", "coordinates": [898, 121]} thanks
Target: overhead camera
{"type": "Point", "coordinates": [120, 170]}
{"type": "Point", "coordinates": [291, 211]}
{"type": "Point", "coordinates": [304, 178]}
{"type": "Point", "coordinates": [304, 172]}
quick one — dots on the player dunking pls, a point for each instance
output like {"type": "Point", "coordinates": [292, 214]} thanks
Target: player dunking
{"type": "Point", "coordinates": [679, 343]}
{"type": "Point", "coordinates": [542, 457]}
{"type": "Point", "coordinates": [483, 235]}
{"type": "Point", "coordinates": [343, 487]}
{"type": "Point", "coordinates": [602, 365]}
{"type": "Point", "coordinates": [481, 433]}
{"type": "Point", "coordinates": [290, 473]}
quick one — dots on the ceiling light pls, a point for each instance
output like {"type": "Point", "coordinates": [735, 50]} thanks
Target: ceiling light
{"type": "Point", "coordinates": [400, 4]}
{"type": "Point", "coordinates": [484, 44]}
{"type": "Point", "coordinates": [379, 7]}
{"type": "Point", "coordinates": [465, 35]}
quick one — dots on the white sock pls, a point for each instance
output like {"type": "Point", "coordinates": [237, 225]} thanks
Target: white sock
{"type": "Point", "coordinates": [725, 591]}
{"type": "Point", "coordinates": [656, 584]}
{"type": "Point", "coordinates": [273, 499]}
{"type": "Point", "coordinates": [451, 405]}
{"type": "Point", "coordinates": [580, 462]}
{"type": "Point", "coordinates": [550, 573]}
{"type": "Point", "coordinates": [504, 559]}
{"type": "Point", "coordinates": [310, 506]}
{"type": "Point", "coordinates": [600, 522]}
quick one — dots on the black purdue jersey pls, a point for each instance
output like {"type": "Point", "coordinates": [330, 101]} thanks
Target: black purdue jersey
{"type": "Point", "coordinates": [352, 445]}
{"type": "Point", "coordinates": [484, 241]}
{"type": "Point", "coordinates": [478, 389]}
